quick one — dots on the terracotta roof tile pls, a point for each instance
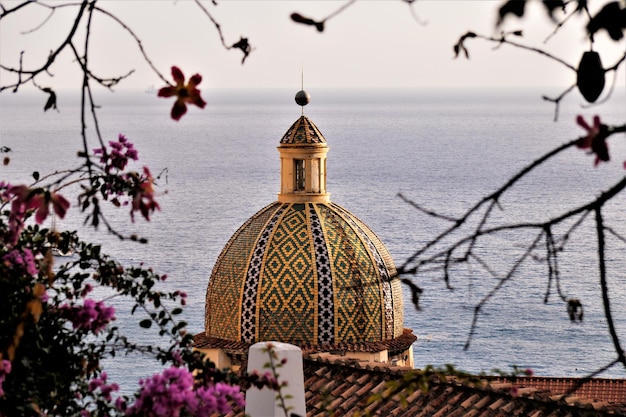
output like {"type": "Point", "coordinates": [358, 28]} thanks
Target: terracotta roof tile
{"type": "Point", "coordinates": [336, 387]}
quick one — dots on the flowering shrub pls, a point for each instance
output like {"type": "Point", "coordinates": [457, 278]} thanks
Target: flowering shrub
{"type": "Point", "coordinates": [171, 394]}
{"type": "Point", "coordinates": [54, 335]}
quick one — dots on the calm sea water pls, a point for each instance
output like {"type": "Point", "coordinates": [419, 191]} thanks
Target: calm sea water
{"type": "Point", "coordinates": [444, 149]}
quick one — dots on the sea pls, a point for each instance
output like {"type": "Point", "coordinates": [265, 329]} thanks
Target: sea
{"type": "Point", "coordinates": [442, 149]}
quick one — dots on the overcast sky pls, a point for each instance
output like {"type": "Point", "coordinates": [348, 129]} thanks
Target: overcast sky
{"type": "Point", "coordinates": [370, 44]}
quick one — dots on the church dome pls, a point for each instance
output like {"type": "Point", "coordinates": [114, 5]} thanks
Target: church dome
{"type": "Point", "coordinates": [307, 274]}
{"type": "Point", "coordinates": [304, 270]}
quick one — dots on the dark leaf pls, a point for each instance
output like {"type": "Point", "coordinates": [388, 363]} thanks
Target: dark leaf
{"type": "Point", "coordinates": [52, 99]}
{"type": "Point", "coordinates": [298, 18]}
{"type": "Point", "coordinates": [590, 76]}
{"type": "Point", "coordinates": [611, 18]}
{"type": "Point", "coordinates": [146, 323]}
{"type": "Point", "coordinates": [552, 5]}
{"type": "Point", "coordinates": [176, 311]}
{"type": "Point", "coordinates": [515, 7]}
{"type": "Point", "coordinates": [415, 292]}
{"type": "Point", "coordinates": [575, 310]}
{"type": "Point", "coordinates": [244, 46]}
{"type": "Point", "coordinates": [36, 175]}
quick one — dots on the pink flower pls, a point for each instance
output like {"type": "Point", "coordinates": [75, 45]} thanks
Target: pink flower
{"type": "Point", "coordinates": [595, 138]}
{"type": "Point", "coordinates": [164, 395]}
{"type": "Point", "coordinates": [39, 200]}
{"type": "Point", "coordinates": [91, 316]}
{"type": "Point", "coordinates": [143, 201]}
{"type": "Point", "coordinates": [5, 368]}
{"type": "Point", "coordinates": [101, 384]}
{"type": "Point", "coordinates": [217, 398]}
{"type": "Point", "coordinates": [121, 152]}
{"type": "Point", "coordinates": [184, 93]}
{"type": "Point", "coordinates": [172, 393]}
{"type": "Point", "coordinates": [22, 258]}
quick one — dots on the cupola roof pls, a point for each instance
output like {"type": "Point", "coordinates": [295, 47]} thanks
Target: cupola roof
{"type": "Point", "coordinates": [303, 132]}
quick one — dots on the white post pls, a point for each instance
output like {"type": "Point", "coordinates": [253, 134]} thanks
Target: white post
{"type": "Point", "coordinates": [264, 402]}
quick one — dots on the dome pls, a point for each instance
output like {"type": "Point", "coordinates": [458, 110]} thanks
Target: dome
{"type": "Point", "coordinates": [306, 274]}
{"type": "Point", "coordinates": [305, 271]}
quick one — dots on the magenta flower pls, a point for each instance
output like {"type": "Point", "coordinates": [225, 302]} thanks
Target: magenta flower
{"type": "Point", "coordinates": [594, 139]}
{"type": "Point", "coordinates": [39, 200]}
{"type": "Point", "coordinates": [5, 368]}
{"type": "Point", "coordinates": [22, 258]}
{"type": "Point", "coordinates": [101, 385]}
{"type": "Point", "coordinates": [172, 394]}
{"type": "Point", "coordinates": [217, 398]}
{"type": "Point", "coordinates": [185, 93]}
{"type": "Point", "coordinates": [143, 201]}
{"type": "Point", "coordinates": [121, 152]}
{"type": "Point", "coordinates": [24, 199]}
{"type": "Point", "coordinates": [164, 395]}
{"type": "Point", "coordinates": [91, 316]}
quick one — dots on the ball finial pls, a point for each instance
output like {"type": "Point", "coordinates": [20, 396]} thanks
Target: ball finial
{"type": "Point", "coordinates": [302, 98]}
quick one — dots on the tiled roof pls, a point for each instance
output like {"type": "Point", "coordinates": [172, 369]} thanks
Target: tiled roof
{"type": "Point", "coordinates": [335, 386]}
{"type": "Point", "coordinates": [303, 132]}
{"type": "Point", "coordinates": [599, 389]}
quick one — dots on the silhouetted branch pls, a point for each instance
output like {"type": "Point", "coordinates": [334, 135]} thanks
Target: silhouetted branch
{"type": "Point", "coordinates": [51, 58]}
{"type": "Point", "coordinates": [242, 44]}
{"type": "Point", "coordinates": [443, 258]}
{"type": "Point", "coordinates": [137, 41]}
{"type": "Point", "coordinates": [504, 40]}
{"type": "Point", "coordinates": [319, 24]}
{"type": "Point", "coordinates": [604, 286]}
{"type": "Point", "coordinates": [491, 197]}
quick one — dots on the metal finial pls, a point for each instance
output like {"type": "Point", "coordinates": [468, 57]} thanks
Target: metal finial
{"type": "Point", "coordinates": [302, 97]}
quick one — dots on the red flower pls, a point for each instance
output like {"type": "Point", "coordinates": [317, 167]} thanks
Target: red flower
{"type": "Point", "coordinates": [38, 200]}
{"type": "Point", "coordinates": [185, 93]}
{"type": "Point", "coordinates": [143, 201]}
{"type": "Point", "coordinates": [595, 139]}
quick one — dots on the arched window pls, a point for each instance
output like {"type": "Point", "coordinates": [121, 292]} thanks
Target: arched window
{"type": "Point", "coordinates": [300, 174]}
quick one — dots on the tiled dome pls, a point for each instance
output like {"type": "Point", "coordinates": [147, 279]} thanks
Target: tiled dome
{"type": "Point", "coordinates": [307, 274]}
{"type": "Point", "coordinates": [304, 270]}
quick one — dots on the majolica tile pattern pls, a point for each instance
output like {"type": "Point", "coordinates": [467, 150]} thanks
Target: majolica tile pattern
{"type": "Point", "coordinates": [302, 132]}
{"type": "Point", "coordinates": [305, 273]}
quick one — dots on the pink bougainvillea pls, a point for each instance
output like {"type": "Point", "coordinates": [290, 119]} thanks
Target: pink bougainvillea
{"type": "Point", "coordinates": [99, 385]}
{"type": "Point", "coordinates": [91, 316]}
{"type": "Point", "coordinates": [121, 151]}
{"type": "Point", "coordinates": [25, 199]}
{"type": "Point", "coordinates": [5, 368]}
{"type": "Point", "coordinates": [172, 394]}
{"type": "Point", "coordinates": [21, 258]}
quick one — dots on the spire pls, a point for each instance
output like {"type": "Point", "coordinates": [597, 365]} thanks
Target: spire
{"type": "Point", "coordinates": [302, 97]}
{"type": "Point", "coordinates": [303, 160]}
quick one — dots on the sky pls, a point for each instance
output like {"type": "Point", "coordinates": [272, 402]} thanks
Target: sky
{"type": "Point", "coordinates": [370, 44]}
